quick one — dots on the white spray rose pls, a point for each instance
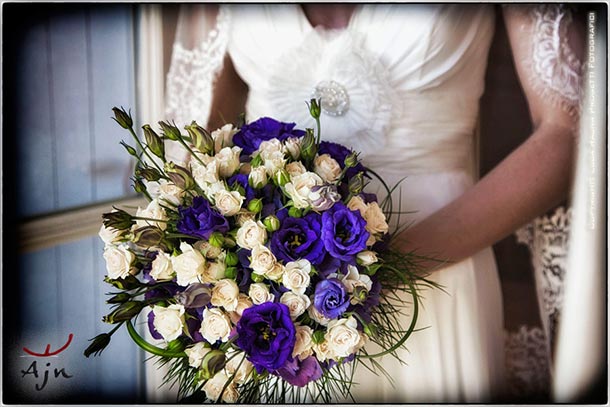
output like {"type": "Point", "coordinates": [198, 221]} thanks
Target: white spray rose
{"type": "Point", "coordinates": [228, 203]}
{"type": "Point", "coordinates": [322, 351]}
{"type": "Point", "coordinates": [227, 160]}
{"type": "Point", "coordinates": [268, 148]}
{"type": "Point", "coordinates": [169, 193]}
{"type": "Point", "coordinates": [152, 211]}
{"type": "Point", "coordinates": [276, 273]}
{"type": "Point", "coordinates": [118, 261]}
{"type": "Point", "coordinates": [317, 316]}
{"type": "Point", "coordinates": [214, 271]}
{"type": "Point", "coordinates": [223, 137]}
{"type": "Point", "coordinates": [251, 234]}
{"type": "Point", "coordinates": [189, 266]}
{"type": "Point", "coordinates": [243, 303]}
{"type": "Point", "coordinates": [258, 177]}
{"type": "Point", "coordinates": [357, 204]}
{"type": "Point", "coordinates": [169, 321]}
{"type": "Point", "coordinates": [375, 219]}
{"type": "Point", "coordinates": [204, 174]}
{"type": "Point", "coordinates": [161, 268]}
{"type": "Point", "coordinates": [214, 188]}
{"type": "Point", "coordinates": [297, 303]}
{"type": "Point", "coordinates": [225, 294]}
{"type": "Point", "coordinates": [366, 258]}
{"type": "Point", "coordinates": [214, 386]}
{"type": "Point", "coordinates": [295, 168]}
{"type": "Point", "coordinates": [209, 251]}
{"type": "Point", "coordinates": [109, 235]}
{"type": "Point", "coordinates": [327, 168]}
{"type": "Point", "coordinates": [259, 293]}
{"type": "Point", "coordinates": [299, 188]}
{"type": "Point", "coordinates": [196, 353]}
{"type": "Point", "coordinates": [303, 346]}
{"type": "Point", "coordinates": [274, 162]}
{"type": "Point", "coordinates": [215, 326]}
{"type": "Point", "coordinates": [244, 215]}
{"type": "Point", "coordinates": [293, 147]}
{"type": "Point", "coordinates": [262, 260]}
{"type": "Point", "coordinates": [296, 276]}
{"type": "Point", "coordinates": [343, 338]}
{"type": "Point", "coordinates": [240, 366]}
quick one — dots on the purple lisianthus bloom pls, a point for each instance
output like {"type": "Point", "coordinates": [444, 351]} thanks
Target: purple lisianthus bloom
{"type": "Point", "coordinates": [339, 152]}
{"type": "Point", "coordinates": [299, 238]}
{"type": "Point", "coordinates": [151, 326]}
{"type": "Point", "coordinates": [267, 335]}
{"type": "Point", "coordinates": [343, 232]}
{"type": "Point", "coordinates": [330, 298]}
{"type": "Point", "coordinates": [242, 180]}
{"type": "Point", "coordinates": [200, 219]}
{"type": "Point", "coordinates": [301, 372]}
{"type": "Point", "coordinates": [250, 136]}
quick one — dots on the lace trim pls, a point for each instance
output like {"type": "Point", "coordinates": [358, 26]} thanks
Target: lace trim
{"type": "Point", "coordinates": [547, 240]}
{"type": "Point", "coordinates": [557, 71]}
{"type": "Point", "coordinates": [527, 363]}
{"type": "Point", "coordinates": [192, 74]}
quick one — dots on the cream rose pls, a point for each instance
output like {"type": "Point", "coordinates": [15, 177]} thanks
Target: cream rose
{"type": "Point", "coordinates": [214, 271]}
{"type": "Point", "coordinates": [243, 303]}
{"type": "Point", "coordinates": [119, 261]}
{"type": "Point", "coordinates": [375, 219]}
{"type": "Point", "coordinates": [366, 258]}
{"type": "Point", "coordinates": [274, 162]}
{"type": "Point", "coordinates": [240, 366]}
{"type": "Point", "coordinates": [303, 346]}
{"type": "Point", "coordinates": [322, 351]}
{"type": "Point", "coordinates": [244, 215]}
{"type": "Point", "coordinates": [268, 148]}
{"type": "Point", "coordinates": [214, 386]}
{"type": "Point", "coordinates": [196, 353]}
{"type": "Point", "coordinates": [109, 235]}
{"type": "Point", "coordinates": [189, 266]}
{"type": "Point", "coordinates": [215, 326]}
{"type": "Point", "coordinates": [171, 194]}
{"type": "Point", "coordinates": [299, 188]}
{"type": "Point", "coordinates": [327, 168]}
{"type": "Point", "coordinates": [259, 293]}
{"type": "Point", "coordinates": [295, 168]}
{"type": "Point", "coordinates": [152, 211]}
{"type": "Point", "coordinates": [258, 177]}
{"type": "Point", "coordinates": [343, 338]}
{"type": "Point", "coordinates": [209, 251]}
{"type": "Point", "coordinates": [296, 276]}
{"type": "Point", "coordinates": [161, 267]}
{"type": "Point", "coordinates": [297, 303]}
{"type": "Point", "coordinates": [276, 273]}
{"type": "Point", "coordinates": [223, 137]}
{"type": "Point", "coordinates": [228, 203]}
{"type": "Point", "coordinates": [169, 322]}
{"type": "Point", "coordinates": [354, 279]}
{"type": "Point", "coordinates": [227, 160]}
{"type": "Point", "coordinates": [293, 147]}
{"type": "Point", "coordinates": [357, 204]}
{"type": "Point", "coordinates": [251, 234]}
{"type": "Point", "coordinates": [225, 294]}
{"type": "Point", "coordinates": [204, 174]}
{"type": "Point", "coordinates": [262, 260]}
{"type": "Point", "coordinates": [316, 316]}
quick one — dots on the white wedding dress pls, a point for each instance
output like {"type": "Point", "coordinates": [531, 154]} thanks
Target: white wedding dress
{"type": "Point", "coordinates": [401, 84]}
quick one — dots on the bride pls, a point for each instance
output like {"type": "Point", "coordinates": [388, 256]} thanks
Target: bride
{"type": "Point", "coordinates": [401, 84]}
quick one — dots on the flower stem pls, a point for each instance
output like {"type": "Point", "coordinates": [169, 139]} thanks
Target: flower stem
{"type": "Point", "coordinates": [135, 136]}
{"type": "Point", "coordinates": [190, 150]}
{"type": "Point", "coordinates": [149, 347]}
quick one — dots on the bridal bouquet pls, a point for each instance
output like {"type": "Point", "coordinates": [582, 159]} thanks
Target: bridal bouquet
{"type": "Point", "coordinates": [261, 265]}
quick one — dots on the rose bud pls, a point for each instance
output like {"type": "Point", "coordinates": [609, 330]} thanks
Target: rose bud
{"type": "Point", "coordinates": [122, 117]}
{"type": "Point", "coordinates": [148, 173]}
{"type": "Point", "coordinates": [170, 131]}
{"type": "Point", "coordinates": [153, 141]}
{"type": "Point", "coordinates": [308, 146]}
{"type": "Point", "coordinates": [272, 223]}
{"type": "Point", "coordinates": [180, 176]}
{"type": "Point", "coordinates": [124, 312]}
{"type": "Point", "coordinates": [256, 161]}
{"type": "Point", "coordinates": [295, 212]}
{"type": "Point", "coordinates": [281, 178]}
{"type": "Point", "coordinates": [370, 330]}
{"type": "Point", "coordinates": [200, 138]}
{"type": "Point", "coordinates": [99, 344]}
{"type": "Point", "coordinates": [216, 239]}
{"type": "Point", "coordinates": [231, 259]}
{"type": "Point", "coordinates": [213, 362]}
{"type": "Point", "coordinates": [118, 219]}
{"type": "Point", "coordinates": [231, 272]}
{"type": "Point", "coordinates": [255, 205]}
{"type": "Point", "coordinates": [314, 108]}
{"type": "Point", "coordinates": [196, 295]}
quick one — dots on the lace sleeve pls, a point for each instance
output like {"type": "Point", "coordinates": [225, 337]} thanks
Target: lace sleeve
{"type": "Point", "coordinates": [548, 48]}
{"type": "Point", "coordinates": [197, 58]}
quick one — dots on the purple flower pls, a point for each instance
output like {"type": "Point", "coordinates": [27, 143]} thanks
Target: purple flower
{"type": "Point", "coordinates": [300, 373]}
{"type": "Point", "coordinates": [242, 180]}
{"type": "Point", "coordinates": [200, 219]}
{"type": "Point", "coordinates": [250, 136]}
{"type": "Point", "coordinates": [151, 326]}
{"type": "Point", "coordinates": [343, 232]}
{"type": "Point", "coordinates": [196, 295]}
{"type": "Point", "coordinates": [339, 153]}
{"type": "Point", "coordinates": [328, 196]}
{"type": "Point", "coordinates": [299, 238]}
{"type": "Point", "coordinates": [267, 335]}
{"type": "Point", "coordinates": [330, 298]}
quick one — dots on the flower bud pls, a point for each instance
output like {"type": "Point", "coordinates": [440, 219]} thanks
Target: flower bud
{"type": "Point", "coordinates": [213, 362]}
{"type": "Point", "coordinates": [154, 142]}
{"type": "Point", "coordinates": [317, 337]}
{"type": "Point", "coordinates": [272, 223]}
{"type": "Point", "coordinates": [370, 330]}
{"type": "Point", "coordinates": [359, 295]}
{"type": "Point", "coordinates": [119, 298]}
{"type": "Point", "coordinates": [216, 239]}
{"type": "Point", "coordinates": [257, 161]}
{"type": "Point", "coordinates": [122, 117]}
{"type": "Point", "coordinates": [148, 173]}
{"type": "Point", "coordinates": [200, 138]}
{"type": "Point", "coordinates": [118, 219]}
{"type": "Point", "coordinates": [139, 186]}
{"type": "Point", "coordinates": [351, 160]}
{"type": "Point", "coordinates": [308, 146]}
{"type": "Point", "coordinates": [229, 242]}
{"type": "Point", "coordinates": [314, 108]}
{"type": "Point", "coordinates": [124, 312]}
{"type": "Point", "coordinates": [132, 151]}
{"type": "Point", "coordinates": [231, 272]}
{"type": "Point", "coordinates": [356, 184]}
{"type": "Point", "coordinates": [255, 205]}
{"type": "Point", "coordinates": [127, 283]}
{"type": "Point", "coordinates": [281, 178]}
{"type": "Point", "coordinates": [170, 131]}
{"type": "Point", "coordinates": [295, 212]}
{"type": "Point", "coordinates": [148, 236]}
{"type": "Point", "coordinates": [231, 259]}
{"type": "Point", "coordinates": [196, 295]}
{"type": "Point", "coordinates": [180, 176]}
{"type": "Point", "coordinates": [257, 278]}
{"type": "Point", "coordinates": [99, 344]}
